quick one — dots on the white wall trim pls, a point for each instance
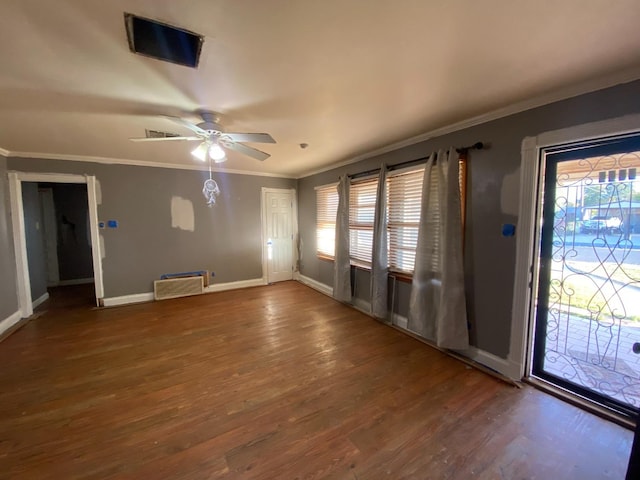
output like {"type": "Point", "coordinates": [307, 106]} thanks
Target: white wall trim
{"type": "Point", "coordinates": [136, 163]}
{"type": "Point", "coordinates": [75, 281]}
{"type": "Point", "coordinates": [39, 301]}
{"type": "Point", "coordinates": [19, 236]}
{"type": "Point", "coordinates": [19, 243]}
{"type": "Point", "coordinates": [503, 366]}
{"type": "Point", "coordinates": [51, 177]}
{"type": "Point", "coordinates": [525, 284]}
{"type": "Point", "coordinates": [4, 153]}
{"type": "Point", "coordinates": [128, 299]}
{"type": "Point", "coordinates": [539, 101]}
{"type": "Point", "coordinates": [221, 287]}
{"type": "Point", "coordinates": [400, 321]}
{"type": "Point", "coordinates": [296, 232]}
{"type": "Point", "coordinates": [96, 254]}
{"type": "Point", "coordinates": [310, 282]}
{"type": "Point", "coordinates": [10, 321]}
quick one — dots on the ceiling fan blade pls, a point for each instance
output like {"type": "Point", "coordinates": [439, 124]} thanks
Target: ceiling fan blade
{"type": "Point", "coordinates": [249, 151]}
{"type": "Point", "coordinates": [189, 125]}
{"type": "Point", "coordinates": [162, 139]}
{"type": "Point", "coordinates": [250, 137]}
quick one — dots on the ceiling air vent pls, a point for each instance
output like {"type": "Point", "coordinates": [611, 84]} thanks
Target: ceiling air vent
{"type": "Point", "coordinates": [163, 42]}
{"type": "Point", "coordinates": [159, 134]}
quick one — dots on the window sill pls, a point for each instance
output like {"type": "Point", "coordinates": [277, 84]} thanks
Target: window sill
{"type": "Point", "coordinates": [326, 258]}
{"type": "Point", "coordinates": [402, 277]}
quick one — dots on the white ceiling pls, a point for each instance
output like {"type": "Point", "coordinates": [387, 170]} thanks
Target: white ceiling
{"type": "Point", "coordinates": [345, 76]}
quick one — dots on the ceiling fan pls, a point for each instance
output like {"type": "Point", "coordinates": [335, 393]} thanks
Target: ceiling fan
{"type": "Point", "coordinates": [213, 139]}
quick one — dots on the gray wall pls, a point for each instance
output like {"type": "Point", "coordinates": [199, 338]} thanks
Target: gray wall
{"type": "Point", "coordinates": [33, 229]}
{"type": "Point", "coordinates": [8, 292]}
{"type": "Point", "coordinates": [73, 232]}
{"type": "Point", "coordinates": [226, 239]}
{"type": "Point", "coordinates": [493, 199]}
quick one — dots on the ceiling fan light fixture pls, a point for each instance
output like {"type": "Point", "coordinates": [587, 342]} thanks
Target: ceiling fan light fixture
{"type": "Point", "coordinates": [200, 152]}
{"type": "Point", "coordinates": [217, 153]}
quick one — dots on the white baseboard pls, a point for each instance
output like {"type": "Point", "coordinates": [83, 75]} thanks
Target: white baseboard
{"type": "Point", "coordinates": [10, 321]}
{"type": "Point", "coordinates": [75, 281]}
{"type": "Point", "coordinates": [501, 365]}
{"type": "Point", "coordinates": [128, 299]}
{"type": "Point", "coordinates": [361, 305]}
{"type": "Point", "coordinates": [400, 321]}
{"type": "Point", "coordinates": [37, 302]}
{"type": "Point", "coordinates": [148, 297]}
{"type": "Point", "coordinates": [221, 287]}
{"type": "Point", "coordinates": [310, 282]}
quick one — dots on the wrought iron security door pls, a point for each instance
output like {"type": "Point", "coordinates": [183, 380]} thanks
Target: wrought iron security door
{"type": "Point", "coordinates": [588, 302]}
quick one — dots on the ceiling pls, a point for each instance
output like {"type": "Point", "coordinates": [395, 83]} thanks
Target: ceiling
{"type": "Point", "coordinates": [347, 77]}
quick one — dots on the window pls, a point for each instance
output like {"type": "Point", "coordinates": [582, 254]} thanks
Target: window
{"type": "Point", "coordinates": [404, 192]}
{"type": "Point", "coordinates": [404, 198]}
{"type": "Point", "coordinates": [362, 206]}
{"type": "Point", "coordinates": [326, 209]}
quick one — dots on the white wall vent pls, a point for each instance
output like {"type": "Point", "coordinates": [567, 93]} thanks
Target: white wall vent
{"type": "Point", "coordinates": [178, 287]}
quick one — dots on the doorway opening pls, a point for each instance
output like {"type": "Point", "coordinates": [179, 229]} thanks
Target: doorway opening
{"type": "Point", "coordinates": [586, 332]}
{"type": "Point", "coordinates": [56, 237]}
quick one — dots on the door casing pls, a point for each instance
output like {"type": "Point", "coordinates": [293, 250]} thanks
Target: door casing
{"type": "Point", "coordinates": [527, 240]}
{"type": "Point", "coordinates": [19, 239]}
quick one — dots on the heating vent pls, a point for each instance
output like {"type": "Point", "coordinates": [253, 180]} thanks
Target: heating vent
{"type": "Point", "coordinates": [159, 134]}
{"type": "Point", "coordinates": [177, 287]}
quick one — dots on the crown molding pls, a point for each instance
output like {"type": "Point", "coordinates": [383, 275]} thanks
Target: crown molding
{"type": "Point", "coordinates": [583, 88]}
{"type": "Point", "coordinates": [137, 163]}
{"type": "Point", "coordinates": [4, 153]}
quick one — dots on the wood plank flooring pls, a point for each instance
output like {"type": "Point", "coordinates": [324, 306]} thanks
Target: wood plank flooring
{"type": "Point", "coordinates": [276, 382]}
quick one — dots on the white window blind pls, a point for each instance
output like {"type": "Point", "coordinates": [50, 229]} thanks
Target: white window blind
{"type": "Point", "coordinates": [326, 209]}
{"type": "Point", "coordinates": [433, 220]}
{"type": "Point", "coordinates": [404, 191]}
{"type": "Point", "coordinates": [362, 205]}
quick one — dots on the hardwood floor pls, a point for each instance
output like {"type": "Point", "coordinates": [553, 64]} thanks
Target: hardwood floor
{"type": "Point", "coordinates": [276, 382]}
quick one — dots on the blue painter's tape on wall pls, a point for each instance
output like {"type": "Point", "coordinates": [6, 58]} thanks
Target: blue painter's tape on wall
{"type": "Point", "coordinates": [508, 230]}
{"type": "Point", "coordinates": [112, 224]}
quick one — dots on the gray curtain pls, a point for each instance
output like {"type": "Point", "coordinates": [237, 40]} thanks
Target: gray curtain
{"type": "Point", "coordinates": [437, 306]}
{"type": "Point", "coordinates": [342, 263]}
{"type": "Point", "coordinates": [379, 260]}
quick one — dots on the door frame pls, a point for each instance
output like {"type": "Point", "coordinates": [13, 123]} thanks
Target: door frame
{"type": "Point", "coordinates": [527, 240]}
{"type": "Point", "coordinates": [19, 238]}
{"type": "Point", "coordinates": [294, 229]}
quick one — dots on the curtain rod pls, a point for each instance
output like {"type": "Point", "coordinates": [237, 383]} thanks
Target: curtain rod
{"type": "Point", "coordinates": [417, 161]}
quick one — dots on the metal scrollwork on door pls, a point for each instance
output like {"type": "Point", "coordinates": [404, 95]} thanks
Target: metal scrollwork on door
{"type": "Point", "coordinates": [591, 298]}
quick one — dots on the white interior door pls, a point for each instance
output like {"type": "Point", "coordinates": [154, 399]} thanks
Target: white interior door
{"type": "Point", "coordinates": [278, 234]}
